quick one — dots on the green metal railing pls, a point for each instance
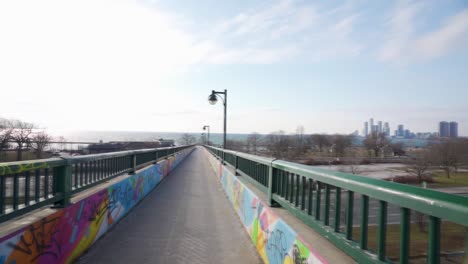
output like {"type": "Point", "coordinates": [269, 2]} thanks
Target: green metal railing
{"type": "Point", "coordinates": [325, 200]}
{"type": "Point", "coordinates": [28, 185]}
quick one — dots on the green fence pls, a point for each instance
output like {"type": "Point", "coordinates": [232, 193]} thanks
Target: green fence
{"type": "Point", "coordinates": [27, 185]}
{"type": "Point", "coordinates": [325, 200]}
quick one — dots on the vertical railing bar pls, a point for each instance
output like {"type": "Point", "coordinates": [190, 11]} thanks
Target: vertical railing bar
{"type": "Point", "coordinates": [349, 216]}
{"type": "Point", "coordinates": [364, 221]}
{"type": "Point", "coordinates": [2, 194]}
{"type": "Point", "coordinates": [291, 188]}
{"type": "Point", "coordinates": [298, 188]}
{"type": "Point", "coordinates": [405, 229]}
{"type": "Point", "coordinates": [337, 209]}
{"type": "Point", "coordinates": [15, 191]}
{"type": "Point", "coordinates": [434, 240]}
{"type": "Point", "coordinates": [326, 216]}
{"type": "Point", "coordinates": [81, 174]}
{"type": "Point", "coordinates": [303, 193]}
{"type": "Point", "coordinates": [382, 231]}
{"type": "Point", "coordinates": [95, 176]}
{"type": "Point", "coordinates": [310, 195]}
{"type": "Point", "coordinates": [75, 175]}
{"type": "Point", "coordinates": [37, 185]}
{"type": "Point", "coordinates": [318, 195]}
{"type": "Point", "coordinates": [285, 185]}
{"type": "Point", "coordinates": [46, 183]}
{"type": "Point", "coordinates": [27, 189]}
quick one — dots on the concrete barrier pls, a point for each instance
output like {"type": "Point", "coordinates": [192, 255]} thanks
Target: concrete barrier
{"type": "Point", "coordinates": [63, 235]}
{"type": "Point", "coordinates": [274, 239]}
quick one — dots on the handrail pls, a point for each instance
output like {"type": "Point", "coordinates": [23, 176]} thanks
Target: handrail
{"type": "Point", "coordinates": [298, 188]}
{"type": "Point", "coordinates": [28, 185]}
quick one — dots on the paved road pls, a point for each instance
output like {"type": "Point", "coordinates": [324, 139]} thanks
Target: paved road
{"type": "Point", "coordinates": [186, 219]}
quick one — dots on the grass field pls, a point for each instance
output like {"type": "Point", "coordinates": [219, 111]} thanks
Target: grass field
{"type": "Point", "coordinates": [456, 179]}
{"type": "Point", "coordinates": [452, 241]}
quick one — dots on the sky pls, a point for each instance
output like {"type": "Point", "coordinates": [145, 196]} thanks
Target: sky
{"type": "Point", "coordinates": [149, 65]}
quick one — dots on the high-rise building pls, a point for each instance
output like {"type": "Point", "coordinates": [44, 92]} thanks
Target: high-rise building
{"type": "Point", "coordinates": [444, 129]}
{"type": "Point", "coordinates": [371, 125]}
{"type": "Point", "coordinates": [366, 129]}
{"type": "Point", "coordinates": [401, 131]}
{"type": "Point", "coordinates": [453, 129]}
{"type": "Point", "coordinates": [375, 129]}
{"type": "Point", "coordinates": [380, 128]}
{"type": "Point", "coordinates": [387, 129]}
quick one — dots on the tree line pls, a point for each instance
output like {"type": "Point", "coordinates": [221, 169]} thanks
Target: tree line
{"type": "Point", "coordinates": [24, 135]}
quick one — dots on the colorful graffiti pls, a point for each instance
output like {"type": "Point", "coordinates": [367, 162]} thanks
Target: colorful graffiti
{"type": "Point", "coordinates": [64, 235]}
{"type": "Point", "coordinates": [274, 239]}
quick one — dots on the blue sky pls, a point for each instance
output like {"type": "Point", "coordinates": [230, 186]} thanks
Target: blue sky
{"type": "Point", "coordinates": [150, 65]}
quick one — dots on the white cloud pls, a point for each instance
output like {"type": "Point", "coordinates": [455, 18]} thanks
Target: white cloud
{"type": "Point", "coordinates": [404, 44]}
{"type": "Point", "coordinates": [452, 35]}
{"type": "Point", "coordinates": [281, 31]}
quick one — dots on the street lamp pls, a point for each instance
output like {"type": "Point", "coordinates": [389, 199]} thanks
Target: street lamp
{"type": "Point", "coordinates": [212, 99]}
{"type": "Point", "coordinates": [207, 127]}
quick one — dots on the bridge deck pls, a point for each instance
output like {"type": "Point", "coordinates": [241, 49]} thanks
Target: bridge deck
{"type": "Point", "coordinates": [187, 219]}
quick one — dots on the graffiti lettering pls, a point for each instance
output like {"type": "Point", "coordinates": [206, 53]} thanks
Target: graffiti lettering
{"type": "Point", "coordinates": [39, 240]}
{"type": "Point", "coordinates": [297, 257]}
{"type": "Point", "coordinates": [276, 244]}
{"type": "Point", "coordinates": [96, 208]}
{"type": "Point", "coordinates": [12, 169]}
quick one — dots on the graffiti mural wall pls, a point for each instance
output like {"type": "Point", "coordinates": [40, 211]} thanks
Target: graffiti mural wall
{"type": "Point", "coordinates": [64, 235]}
{"type": "Point", "coordinates": [274, 239]}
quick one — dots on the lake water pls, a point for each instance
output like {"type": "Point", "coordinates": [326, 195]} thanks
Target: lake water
{"type": "Point", "coordinates": [106, 136]}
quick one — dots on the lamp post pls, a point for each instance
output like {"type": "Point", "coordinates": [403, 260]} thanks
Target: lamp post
{"type": "Point", "coordinates": [212, 99]}
{"type": "Point", "coordinates": [205, 128]}
{"type": "Point", "coordinates": [203, 138]}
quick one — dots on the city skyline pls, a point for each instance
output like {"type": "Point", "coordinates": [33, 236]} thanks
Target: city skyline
{"type": "Point", "coordinates": [150, 65]}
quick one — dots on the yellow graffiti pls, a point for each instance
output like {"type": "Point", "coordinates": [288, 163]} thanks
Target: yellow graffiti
{"type": "Point", "coordinates": [87, 240]}
{"type": "Point", "coordinates": [12, 169]}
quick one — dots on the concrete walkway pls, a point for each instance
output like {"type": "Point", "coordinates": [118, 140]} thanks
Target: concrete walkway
{"type": "Point", "coordinates": [186, 219]}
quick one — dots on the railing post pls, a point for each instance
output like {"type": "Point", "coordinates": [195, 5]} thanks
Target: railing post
{"type": "Point", "coordinates": [156, 157]}
{"type": "Point", "coordinates": [132, 164]}
{"type": "Point", "coordinates": [270, 185]}
{"type": "Point", "coordinates": [63, 184]}
{"type": "Point", "coordinates": [236, 165]}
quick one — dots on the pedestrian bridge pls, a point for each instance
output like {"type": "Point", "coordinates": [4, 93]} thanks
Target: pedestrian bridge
{"type": "Point", "coordinates": [195, 204]}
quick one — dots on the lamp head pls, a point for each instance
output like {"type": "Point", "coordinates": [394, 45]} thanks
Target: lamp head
{"type": "Point", "coordinates": [212, 99]}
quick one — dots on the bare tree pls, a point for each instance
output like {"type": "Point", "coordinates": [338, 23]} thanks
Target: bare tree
{"type": "Point", "coordinates": [236, 145]}
{"type": "Point", "coordinates": [5, 135]}
{"type": "Point", "coordinates": [398, 149]}
{"type": "Point", "coordinates": [300, 133]}
{"type": "Point", "coordinates": [321, 141]}
{"type": "Point", "coordinates": [419, 164]}
{"type": "Point", "coordinates": [278, 143]}
{"type": "Point", "coordinates": [299, 144]}
{"type": "Point", "coordinates": [187, 139]}
{"type": "Point", "coordinates": [376, 142]}
{"type": "Point", "coordinates": [341, 143]}
{"type": "Point", "coordinates": [253, 141]}
{"type": "Point", "coordinates": [21, 135]}
{"type": "Point", "coordinates": [447, 154]}
{"type": "Point", "coordinates": [39, 142]}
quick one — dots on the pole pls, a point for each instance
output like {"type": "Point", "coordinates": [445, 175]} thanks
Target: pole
{"type": "Point", "coordinates": [208, 135]}
{"type": "Point", "coordinates": [225, 106]}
